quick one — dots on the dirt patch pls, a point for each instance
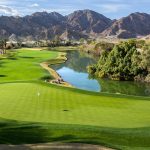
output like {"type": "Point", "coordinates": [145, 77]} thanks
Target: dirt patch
{"type": "Point", "coordinates": [35, 49]}
{"type": "Point", "coordinates": [54, 146]}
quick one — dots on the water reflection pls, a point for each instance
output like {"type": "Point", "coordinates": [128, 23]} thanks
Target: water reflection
{"type": "Point", "coordinates": [74, 71]}
{"type": "Point", "coordinates": [124, 87]}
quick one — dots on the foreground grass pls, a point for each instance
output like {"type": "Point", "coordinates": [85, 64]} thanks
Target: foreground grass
{"type": "Point", "coordinates": [64, 114]}
{"type": "Point", "coordinates": [14, 132]}
{"type": "Point", "coordinates": [69, 115]}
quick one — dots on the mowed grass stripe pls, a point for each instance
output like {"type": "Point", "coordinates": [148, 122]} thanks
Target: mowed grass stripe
{"type": "Point", "coordinates": [68, 107]}
{"type": "Point", "coordinates": [25, 65]}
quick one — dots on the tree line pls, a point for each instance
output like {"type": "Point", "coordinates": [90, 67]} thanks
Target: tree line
{"type": "Point", "coordinates": [128, 60]}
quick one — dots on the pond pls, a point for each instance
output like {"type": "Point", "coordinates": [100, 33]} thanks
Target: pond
{"type": "Point", "coordinates": [74, 71]}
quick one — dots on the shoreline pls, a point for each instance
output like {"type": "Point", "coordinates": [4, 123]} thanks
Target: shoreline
{"type": "Point", "coordinates": [57, 78]}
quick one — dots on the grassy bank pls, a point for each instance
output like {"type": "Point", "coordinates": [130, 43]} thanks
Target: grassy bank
{"type": "Point", "coordinates": [47, 66]}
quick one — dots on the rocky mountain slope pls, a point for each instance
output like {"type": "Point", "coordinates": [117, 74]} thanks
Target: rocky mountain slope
{"type": "Point", "coordinates": [134, 25]}
{"type": "Point", "coordinates": [88, 21]}
{"type": "Point", "coordinates": [79, 24]}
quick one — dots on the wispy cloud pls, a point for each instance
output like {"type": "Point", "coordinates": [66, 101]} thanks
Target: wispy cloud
{"type": "Point", "coordinates": [110, 8]}
{"type": "Point", "coordinates": [113, 8]}
{"type": "Point", "coordinates": [34, 5]}
{"type": "Point", "coordinates": [8, 10]}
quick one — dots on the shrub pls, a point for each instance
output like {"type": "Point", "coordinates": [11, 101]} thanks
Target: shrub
{"type": "Point", "coordinates": [124, 62]}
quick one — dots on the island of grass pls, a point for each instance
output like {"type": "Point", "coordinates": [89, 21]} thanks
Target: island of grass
{"type": "Point", "coordinates": [33, 111]}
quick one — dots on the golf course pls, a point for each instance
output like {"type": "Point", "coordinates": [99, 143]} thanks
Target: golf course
{"type": "Point", "coordinates": [34, 111]}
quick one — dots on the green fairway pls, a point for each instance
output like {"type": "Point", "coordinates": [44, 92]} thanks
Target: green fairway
{"type": "Point", "coordinates": [24, 65]}
{"type": "Point", "coordinates": [36, 112]}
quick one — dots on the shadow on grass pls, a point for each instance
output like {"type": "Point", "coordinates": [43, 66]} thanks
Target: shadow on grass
{"type": "Point", "coordinates": [28, 57]}
{"type": "Point", "coordinates": [46, 77]}
{"type": "Point", "coordinates": [12, 58]}
{"type": "Point", "coordinates": [2, 63]}
{"type": "Point", "coordinates": [2, 76]}
{"type": "Point", "coordinates": [14, 132]}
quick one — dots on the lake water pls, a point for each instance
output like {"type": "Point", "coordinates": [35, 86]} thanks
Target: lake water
{"type": "Point", "coordinates": [74, 71]}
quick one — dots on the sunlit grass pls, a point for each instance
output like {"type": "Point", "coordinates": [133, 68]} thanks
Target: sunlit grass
{"type": "Point", "coordinates": [35, 112]}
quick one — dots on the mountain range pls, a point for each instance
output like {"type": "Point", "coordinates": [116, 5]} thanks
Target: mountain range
{"type": "Point", "coordinates": [79, 24]}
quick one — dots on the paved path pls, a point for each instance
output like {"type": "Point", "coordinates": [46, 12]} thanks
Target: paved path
{"type": "Point", "coordinates": [54, 146]}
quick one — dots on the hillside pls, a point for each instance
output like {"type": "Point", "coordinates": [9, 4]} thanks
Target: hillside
{"type": "Point", "coordinates": [77, 25]}
{"type": "Point", "coordinates": [134, 25]}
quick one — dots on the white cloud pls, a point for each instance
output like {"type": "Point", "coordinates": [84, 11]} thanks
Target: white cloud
{"type": "Point", "coordinates": [8, 10]}
{"type": "Point", "coordinates": [112, 8]}
{"type": "Point", "coordinates": [34, 5]}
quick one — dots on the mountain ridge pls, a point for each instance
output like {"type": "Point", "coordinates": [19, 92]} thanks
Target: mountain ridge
{"type": "Point", "coordinates": [134, 25]}
{"type": "Point", "coordinates": [79, 24]}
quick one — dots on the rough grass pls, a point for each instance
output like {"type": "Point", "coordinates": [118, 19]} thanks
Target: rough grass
{"type": "Point", "coordinates": [65, 114]}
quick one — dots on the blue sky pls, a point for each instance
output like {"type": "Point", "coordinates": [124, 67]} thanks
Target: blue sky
{"type": "Point", "coordinates": [113, 9]}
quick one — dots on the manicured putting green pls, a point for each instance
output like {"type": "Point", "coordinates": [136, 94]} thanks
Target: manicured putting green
{"type": "Point", "coordinates": [41, 103]}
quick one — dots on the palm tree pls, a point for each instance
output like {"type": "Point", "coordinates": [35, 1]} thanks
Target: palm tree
{"type": "Point", "coordinates": [1, 47]}
{"type": "Point", "coordinates": [3, 44]}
